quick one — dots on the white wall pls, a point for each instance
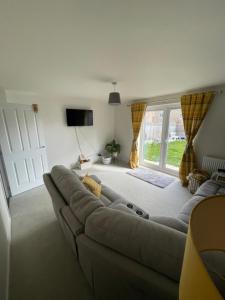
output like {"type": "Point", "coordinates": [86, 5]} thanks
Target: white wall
{"type": "Point", "coordinates": [209, 141]}
{"type": "Point", "coordinates": [112, 122]}
{"type": "Point", "coordinates": [211, 136]}
{"type": "Point", "coordinates": [62, 147]}
{"type": "Point", "coordinates": [5, 238]}
{"type": "Point", "coordinates": [123, 130]}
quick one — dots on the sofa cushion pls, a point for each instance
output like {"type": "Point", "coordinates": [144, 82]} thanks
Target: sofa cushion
{"type": "Point", "coordinates": [186, 210]}
{"type": "Point", "coordinates": [66, 181]}
{"type": "Point", "coordinates": [153, 245]}
{"type": "Point", "coordinates": [135, 210]}
{"type": "Point", "coordinates": [105, 200]}
{"type": "Point", "coordinates": [221, 191]}
{"type": "Point", "coordinates": [208, 188]}
{"type": "Point", "coordinates": [94, 177]}
{"type": "Point", "coordinates": [219, 177]}
{"type": "Point", "coordinates": [83, 203]}
{"type": "Point", "coordinates": [92, 185]}
{"type": "Point", "coordinates": [171, 222]}
{"type": "Point", "coordinates": [122, 207]}
{"type": "Point", "coordinates": [110, 194]}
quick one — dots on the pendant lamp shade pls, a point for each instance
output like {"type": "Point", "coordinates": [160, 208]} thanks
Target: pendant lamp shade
{"type": "Point", "coordinates": [114, 97]}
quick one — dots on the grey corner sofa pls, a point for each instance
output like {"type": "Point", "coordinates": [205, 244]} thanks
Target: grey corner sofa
{"type": "Point", "coordinates": [124, 255]}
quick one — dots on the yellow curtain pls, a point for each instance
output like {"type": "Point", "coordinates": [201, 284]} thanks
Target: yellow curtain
{"type": "Point", "coordinates": [137, 113]}
{"type": "Point", "coordinates": [194, 108]}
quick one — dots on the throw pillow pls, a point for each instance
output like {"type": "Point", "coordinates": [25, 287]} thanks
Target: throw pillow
{"type": "Point", "coordinates": [92, 185]}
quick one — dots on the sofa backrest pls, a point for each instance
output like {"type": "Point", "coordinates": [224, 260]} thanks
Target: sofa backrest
{"type": "Point", "coordinates": [68, 185]}
{"type": "Point", "coordinates": [83, 203]}
{"type": "Point", "coordinates": [57, 198]}
{"type": "Point", "coordinates": [151, 244]}
{"type": "Point", "coordinates": [185, 213]}
{"type": "Point", "coordinates": [67, 182]}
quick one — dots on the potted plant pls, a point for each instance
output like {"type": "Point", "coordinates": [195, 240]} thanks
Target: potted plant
{"type": "Point", "coordinates": [113, 148]}
{"type": "Point", "coordinates": [106, 157]}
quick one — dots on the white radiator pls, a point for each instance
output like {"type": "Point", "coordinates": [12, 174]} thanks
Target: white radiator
{"type": "Point", "coordinates": [211, 164]}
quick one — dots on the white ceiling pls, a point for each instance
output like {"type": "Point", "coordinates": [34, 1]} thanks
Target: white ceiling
{"type": "Point", "coordinates": [76, 48]}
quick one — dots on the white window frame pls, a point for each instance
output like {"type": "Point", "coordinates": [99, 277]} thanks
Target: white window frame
{"type": "Point", "coordinates": [166, 108]}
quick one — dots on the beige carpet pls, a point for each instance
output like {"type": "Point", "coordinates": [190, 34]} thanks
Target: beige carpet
{"type": "Point", "coordinates": [42, 264]}
{"type": "Point", "coordinates": [155, 200]}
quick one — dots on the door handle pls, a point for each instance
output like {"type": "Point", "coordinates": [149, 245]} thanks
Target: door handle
{"type": "Point", "coordinates": [42, 147]}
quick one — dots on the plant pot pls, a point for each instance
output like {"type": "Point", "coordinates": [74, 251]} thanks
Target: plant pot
{"type": "Point", "coordinates": [114, 154]}
{"type": "Point", "coordinates": [106, 160]}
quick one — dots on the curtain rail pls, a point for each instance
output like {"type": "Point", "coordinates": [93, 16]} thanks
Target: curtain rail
{"type": "Point", "coordinates": [161, 101]}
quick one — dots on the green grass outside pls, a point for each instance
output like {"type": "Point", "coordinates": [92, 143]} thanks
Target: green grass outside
{"type": "Point", "coordinates": [174, 152]}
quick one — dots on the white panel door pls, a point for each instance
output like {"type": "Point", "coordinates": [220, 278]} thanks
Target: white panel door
{"type": "Point", "coordinates": [23, 147]}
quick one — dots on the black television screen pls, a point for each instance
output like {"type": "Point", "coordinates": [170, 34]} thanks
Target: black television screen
{"type": "Point", "coordinates": [79, 117]}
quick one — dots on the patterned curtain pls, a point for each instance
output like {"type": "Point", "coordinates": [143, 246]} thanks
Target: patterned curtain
{"type": "Point", "coordinates": [194, 108]}
{"type": "Point", "coordinates": [137, 113]}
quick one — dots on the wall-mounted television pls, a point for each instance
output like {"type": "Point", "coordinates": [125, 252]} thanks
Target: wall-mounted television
{"type": "Point", "coordinates": [79, 117]}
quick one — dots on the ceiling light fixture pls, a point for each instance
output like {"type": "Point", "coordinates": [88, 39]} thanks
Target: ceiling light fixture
{"type": "Point", "coordinates": [114, 97]}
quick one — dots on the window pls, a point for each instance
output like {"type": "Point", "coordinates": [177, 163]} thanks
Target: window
{"type": "Point", "coordinates": [163, 138]}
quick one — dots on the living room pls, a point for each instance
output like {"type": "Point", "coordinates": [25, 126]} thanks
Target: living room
{"type": "Point", "coordinates": [151, 74]}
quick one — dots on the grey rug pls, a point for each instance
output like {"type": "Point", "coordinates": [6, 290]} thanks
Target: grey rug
{"type": "Point", "coordinates": [156, 178]}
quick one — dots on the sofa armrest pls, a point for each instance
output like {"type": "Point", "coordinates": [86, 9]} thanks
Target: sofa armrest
{"type": "Point", "coordinates": [153, 245]}
{"type": "Point", "coordinates": [57, 199]}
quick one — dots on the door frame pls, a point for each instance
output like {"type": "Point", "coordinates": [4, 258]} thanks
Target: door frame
{"type": "Point", "coordinates": [4, 177]}
{"type": "Point", "coordinates": [43, 142]}
{"type": "Point", "coordinates": [166, 108]}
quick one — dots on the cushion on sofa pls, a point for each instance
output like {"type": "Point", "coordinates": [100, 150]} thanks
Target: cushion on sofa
{"type": "Point", "coordinates": [208, 188]}
{"type": "Point", "coordinates": [108, 196]}
{"type": "Point", "coordinates": [153, 245]}
{"type": "Point", "coordinates": [94, 177]}
{"type": "Point", "coordinates": [171, 222]}
{"type": "Point", "coordinates": [66, 181]}
{"type": "Point", "coordinates": [92, 185]}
